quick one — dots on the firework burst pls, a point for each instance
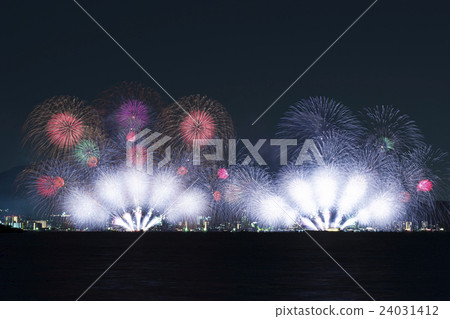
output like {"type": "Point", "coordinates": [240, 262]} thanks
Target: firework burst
{"type": "Point", "coordinates": [320, 119]}
{"type": "Point", "coordinates": [47, 182]}
{"type": "Point", "coordinates": [87, 152]}
{"type": "Point", "coordinates": [128, 107]}
{"type": "Point", "coordinates": [57, 125]}
{"type": "Point", "coordinates": [372, 176]}
{"type": "Point", "coordinates": [202, 118]}
{"type": "Point", "coordinates": [390, 131]}
{"type": "Point", "coordinates": [133, 115]}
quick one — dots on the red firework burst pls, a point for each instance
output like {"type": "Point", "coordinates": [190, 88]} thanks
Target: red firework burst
{"type": "Point", "coordinates": [217, 196]}
{"type": "Point", "coordinates": [182, 170]}
{"type": "Point", "coordinates": [48, 186]}
{"type": "Point", "coordinates": [92, 161]}
{"type": "Point", "coordinates": [222, 173]}
{"type": "Point", "coordinates": [64, 130]}
{"type": "Point", "coordinates": [425, 186]}
{"type": "Point", "coordinates": [131, 136]}
{"type": "Point", "coordinates": [198, 125]}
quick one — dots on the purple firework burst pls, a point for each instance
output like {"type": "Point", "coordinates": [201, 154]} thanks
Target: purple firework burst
{"type": "Point", "coordinates": [133, 115]}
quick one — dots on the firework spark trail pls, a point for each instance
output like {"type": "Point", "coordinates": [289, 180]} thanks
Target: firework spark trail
{"type": "Point", "coordinates": [327, 198]}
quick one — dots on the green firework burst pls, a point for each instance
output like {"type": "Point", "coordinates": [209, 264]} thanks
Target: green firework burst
{"type": "Point", "coordinates": [387, 144]}
{"type": "Point", "coordinates": [86, 150]}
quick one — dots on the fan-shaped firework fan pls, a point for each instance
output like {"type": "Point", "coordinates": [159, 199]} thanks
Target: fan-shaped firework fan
{"type": "Point", "coordinates": [133, 200]}
{"type": "Point", "coordinates": [46, 183]}
{"type": "Point", "coordinates": [57, 125]}
{"type": "Point", "coordinates": [201, 119]}
{"type": "Point", "coordinates": [390, 131]}
{"type": "Point", "coordinates": [129, 107]}
{"type": "Point", "coordinates": [329, 197]}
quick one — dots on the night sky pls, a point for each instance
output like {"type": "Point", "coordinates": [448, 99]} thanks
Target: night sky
{"type": "Point", "coordinates": [242, 54]}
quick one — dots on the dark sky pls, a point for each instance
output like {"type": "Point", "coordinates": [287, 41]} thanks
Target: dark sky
{"type": "Point", "coordinates": [243, 54]}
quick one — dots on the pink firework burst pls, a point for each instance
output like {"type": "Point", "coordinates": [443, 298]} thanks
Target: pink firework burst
{"type": "Point", "coordinates": [198, 125]}
{"type": "Point", "coordinates": [425, 186]}
{"type": "Point", "coordinates": [222, 173]}
{"type": "Point", "coordinates": [64, 130]}
{"type": "Point", "coordinates": [131, 136]}
{"type": "Point", "coordinates": [48, 186]}
{"type": "Point", "coordinates": [133, 115]}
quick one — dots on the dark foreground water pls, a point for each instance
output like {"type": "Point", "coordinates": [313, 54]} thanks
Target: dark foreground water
{"type": "Point", "coordinates": [224, 266]}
